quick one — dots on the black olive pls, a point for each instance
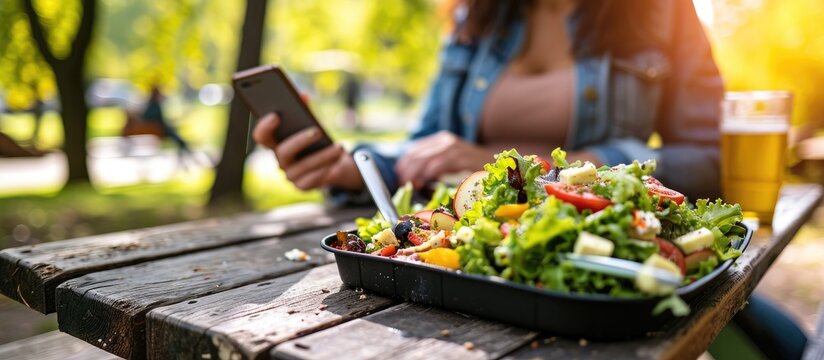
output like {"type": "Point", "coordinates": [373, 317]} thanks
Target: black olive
{"type": "Point", "coordinates": [402, 230]}
{"type": "Point", "coordinates": [355, 243]}
{"type": "Point", "coordinates": [552, 175]}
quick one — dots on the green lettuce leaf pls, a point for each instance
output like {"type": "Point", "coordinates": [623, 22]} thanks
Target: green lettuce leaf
{"type": "Point", "coordinates": [718, 214]}
{"type": "Point", "coordinates": [442, 196]}
{"type": "Point", "coordinates": [369, 227]}
{"type": "Point", "coordinates": [704, 267]}
{"type": "Point", "coordinates": [496, 187]}
{"type": "Point", "coordinates": [674, 304]}
{"type": "Point", "coordinates": [543, 232]}
{"type": "Point", "coordinates": [403, 199]}
{"type": "Point", "coordinates": [559, 159]}
{"type": "Point", "coordinates": [473, 254]}
{"type": "Point", "coordinates": [623, 184]}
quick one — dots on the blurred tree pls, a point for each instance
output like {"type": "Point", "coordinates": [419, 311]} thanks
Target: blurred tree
{"type": "Point", "coordinates": [24, 75]}
{"type": "Point", "coordinates": [229, 172]}
{"type": "Point", "coordinates": [404, 42]}
{"type": "Point", "coordinates": [395, 46]}
{"type": "Point", "coordinates": [773, 45]}
{"type": "Point", "coordinates": [66, 57]}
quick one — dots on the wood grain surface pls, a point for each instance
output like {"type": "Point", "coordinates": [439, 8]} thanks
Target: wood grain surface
{"type": "Point", "coordinates": [31, 273]}
{"type": "Point", "coordinates": [53, 346]}
{"type": "Point", "coordinates": [408, 331]}
{"type": "Point", "coordinates": [246, 322]}
{"type": "Point", "coordinates": [108, 308]}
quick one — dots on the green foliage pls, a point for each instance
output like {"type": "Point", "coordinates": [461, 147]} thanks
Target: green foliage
{"type": "Point", "coordinates": [24, 75]}
{"type": "Point", "coordinates": [395, 44]}
{"type": "Point", "coordinates": [189, 43]}
{"type": "Point", "coordinates": [772, 44]}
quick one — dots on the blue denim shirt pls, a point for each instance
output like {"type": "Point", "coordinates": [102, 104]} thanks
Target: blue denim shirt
{"type": "Point", "coordinates": [674, 91]}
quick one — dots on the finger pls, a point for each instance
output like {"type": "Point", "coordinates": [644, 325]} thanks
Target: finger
{"type": "Point", "coordinates": [313, 179]}
{"type": "Point", "coordinates": [323, 158]}
{"type": "Point", "coordinates": [289, 148]}
{"type": "Point", "coordinates": [417, 158]}
{"type": "Point", "coordinates": [411, 169]}
{"type": "Point", "coordinates": [435, 168]}
{"type": "Point", "coordinates": [344, 174]}
{"type": "Point", "coordinates": [305, 97]}
{"type": "Point", "coordinates": [419, 151]}
{"type": "Point", "coordinates": [264, 132]}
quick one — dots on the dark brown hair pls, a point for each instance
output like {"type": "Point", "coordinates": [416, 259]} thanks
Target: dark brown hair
{"type": "Point", "coordinates": [618, 27]}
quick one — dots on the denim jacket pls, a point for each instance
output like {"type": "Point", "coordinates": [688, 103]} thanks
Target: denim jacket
{"type": "Point", "coordinates": [619, 101]}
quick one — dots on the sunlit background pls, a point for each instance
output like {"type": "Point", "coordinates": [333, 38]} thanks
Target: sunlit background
{"type": "Point", "coordinates": [190, 48]}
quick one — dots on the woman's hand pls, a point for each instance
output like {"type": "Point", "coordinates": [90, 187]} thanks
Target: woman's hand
{"type": "Point", "coordinates": [331, 166]}
{"type": "Point", "coordinates": [439, 154]}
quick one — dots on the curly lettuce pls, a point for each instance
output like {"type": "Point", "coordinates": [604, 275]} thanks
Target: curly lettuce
{"type": "Point", "coordinates": [497, 187]}
{"type": "Point", "coordinates": [544, 231]}
{"type": "Point", "coordinates": [718, 217]}
{"type": "Point", "coordinates": [473, 256]}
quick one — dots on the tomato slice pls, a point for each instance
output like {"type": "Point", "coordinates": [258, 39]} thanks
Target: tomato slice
{"type": "Point", "coordinates": [389, 250]}
{"type": "Point", "coordinates": [654, 187]}
{"type": "Point", "coordinates": [544, 163]}
{"type": "Point", "coordinates": [506, 228]}
{"type": "Point", "coordinates": [416, 238]}
{"type": "Point", "coordinates": [669, 251]}
{"type": "Point", "coordinates": [582, 200]}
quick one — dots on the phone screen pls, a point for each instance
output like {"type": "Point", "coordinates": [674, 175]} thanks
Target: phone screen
{"type": "Point", "coordinates": [266, 89]}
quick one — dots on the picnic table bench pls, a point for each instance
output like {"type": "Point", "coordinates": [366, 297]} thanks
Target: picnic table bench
{"type": "Point", "coordinates": [222, 288]}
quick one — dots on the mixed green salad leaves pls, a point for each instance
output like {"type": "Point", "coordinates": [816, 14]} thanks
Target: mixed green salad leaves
{"type": "Point", "coordinates": [517, 218]}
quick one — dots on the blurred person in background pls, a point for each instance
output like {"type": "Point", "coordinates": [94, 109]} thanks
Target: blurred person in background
{"type": "Point", "coordinates": [351, 94]}
{"type": "Point", "coordinates": [597, 78]}
{"type": "Point", "coordinates": [153, 113]}
{"type": "Point", "coordinates": [152, 122]}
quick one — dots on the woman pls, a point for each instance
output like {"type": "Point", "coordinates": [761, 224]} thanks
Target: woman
{"type": "Point", "coordinates": [595, 77]}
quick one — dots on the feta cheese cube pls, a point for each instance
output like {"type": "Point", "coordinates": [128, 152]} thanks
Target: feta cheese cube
{"type": "Point", "coordinates": [590, 244]}
{"type": "Point", "coordinates": [386, 238]}
{"type": "Point", "coordinates": [645, 226]}
{"type": "Point", "coordinates": [577, 176]}
{"type": "Point", "coordinates": [646, 281]}
{"type": "Point", "coordinates": [694, 241]}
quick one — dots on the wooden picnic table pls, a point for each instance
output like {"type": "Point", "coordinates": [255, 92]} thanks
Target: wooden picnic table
{"type": "Point", "coordinates": [221, 288]}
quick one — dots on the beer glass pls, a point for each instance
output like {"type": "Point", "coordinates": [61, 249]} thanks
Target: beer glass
{"type": "Point", "coordinates": [754, 130]}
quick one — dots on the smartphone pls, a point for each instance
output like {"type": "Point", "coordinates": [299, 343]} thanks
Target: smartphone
{"type": "Point", "coordinates": [266, 89]}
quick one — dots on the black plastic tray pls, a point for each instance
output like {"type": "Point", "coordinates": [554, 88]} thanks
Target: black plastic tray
{"type": "Point", "coordinates": [594, 316]}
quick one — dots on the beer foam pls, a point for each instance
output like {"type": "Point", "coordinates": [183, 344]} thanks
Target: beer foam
{"type": "Point", "coordinates": [755, 125]}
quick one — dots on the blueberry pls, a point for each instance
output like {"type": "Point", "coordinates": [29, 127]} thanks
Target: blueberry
{"type": "Point", "coordinates": [402, 230]}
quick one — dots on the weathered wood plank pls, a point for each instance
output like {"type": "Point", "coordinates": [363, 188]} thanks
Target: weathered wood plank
{"type": "Point", "coordinates": [408, 331]}
{"type": "Point", "coordinates": [31, 273]}
{"type": "Point", "coordinates": [688, 337]}
{"type": "Point", "coordinates": [248, 321]}
{"type": "Point", "coordinates": [108, 308]}
{"type": "Point", "coordinates": [53, 346]}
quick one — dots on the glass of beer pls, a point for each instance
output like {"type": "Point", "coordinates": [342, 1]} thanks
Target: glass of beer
{"type": "Point", "coordinates": [754, 130]}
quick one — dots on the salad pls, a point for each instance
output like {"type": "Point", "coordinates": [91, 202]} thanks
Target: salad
{"type": "Point", "coordinates": [517, 218]}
